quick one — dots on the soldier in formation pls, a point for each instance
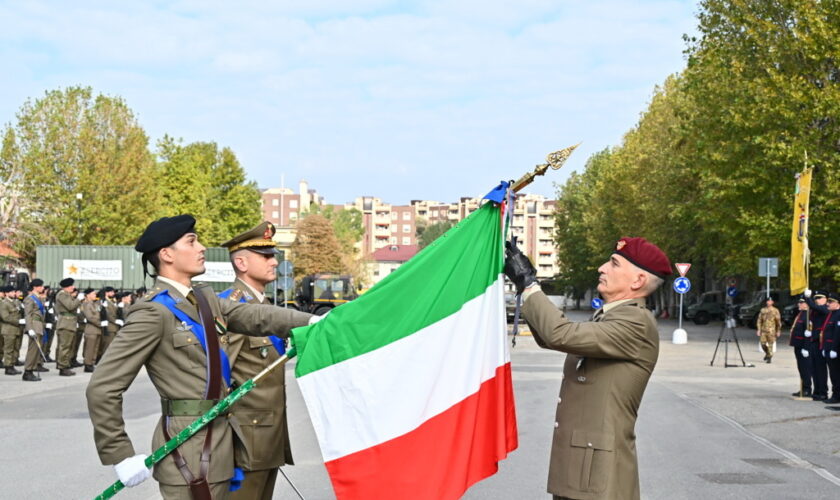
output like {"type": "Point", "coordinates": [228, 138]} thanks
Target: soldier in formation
{"type": "Point", "coordinates": [769, 327]}
{"type": "Point", "coordinates": [11, 328]}
{"type": "Point", "coordinates": [802, 341]}
{"type": "Point", "coordinates": [174, 331]}
{"type": "Point", "coordinates": [66, 305]}
{"type": "Point", "coordinates": [93, 328]}
{"type": "Point", "coordinates": [819, 316]}
{"type": "Point", "coordinates": [35, 314]}
{"type": "Point", "coordinates": [831, 347]}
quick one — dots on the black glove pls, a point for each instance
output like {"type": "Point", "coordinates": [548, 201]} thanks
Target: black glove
{"type": "Point", "coordinates": [518, 267]}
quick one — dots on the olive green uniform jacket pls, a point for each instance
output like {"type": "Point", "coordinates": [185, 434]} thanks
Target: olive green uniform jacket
{"type": "Point", "coordinates": [262, 413]}
{"type": "Point", "coordinates": [609, 362]}
{"type": "Point", "coordinates": [34, 316]}
{"type": "Point", "coordinates": [90, 311]}
{"type": "Point", "coordinates": [10, 317]}
{"type": "Point", "coordinates": [176, 363]}
{"type": "Point", "coordinates": [66, 306]}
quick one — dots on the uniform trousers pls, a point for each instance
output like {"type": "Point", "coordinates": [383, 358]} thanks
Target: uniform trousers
{"type": "Point", "coordinates": [104, 342]}
{"type": "Point", "coordinates": [219, 491]}
{"type": "Point", "coordinates": [257, 485]}
{"type": "Point", "coordinates": [767, 340]}
{"type": "Point", "coordinates": [66, 338]}
{"type": "Point", "coordinates": [91, 347]}
{"type": "Point", "coordinates": [834, 373]}
{"type": "Point", "coordinates": [33, 355]}
{"type": "Point", "coordinates": [9, 353]}
{"type": "Point", "coordinates": [77, 342]}
{"type": "Point", "coordinates": [805, 367]}
{"type": "Point", "coordinates": [820, 373]}
{"type": "Point", "coordinates": [18, 343]}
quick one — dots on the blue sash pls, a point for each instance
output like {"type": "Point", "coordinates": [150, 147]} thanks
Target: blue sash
{"type": "Point", "coordinates": [38, 302]}
{"type": "Point", "coordinates": [164, 298]}
{"type": "Point", "coordinates": [277, 341]}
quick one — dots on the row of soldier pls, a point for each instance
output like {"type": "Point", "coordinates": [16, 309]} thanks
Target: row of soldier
{"type": "Point", "coordinates": [87, 320]}
{"type": "Point", "coordinates": [815, 337]}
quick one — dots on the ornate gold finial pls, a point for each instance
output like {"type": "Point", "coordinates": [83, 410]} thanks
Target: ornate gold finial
{"type": "Point", "coordinates": [554, 160]}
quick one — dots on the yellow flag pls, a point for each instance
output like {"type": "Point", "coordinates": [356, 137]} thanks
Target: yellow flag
{"type": "Point", "coordinates": [799, 252]}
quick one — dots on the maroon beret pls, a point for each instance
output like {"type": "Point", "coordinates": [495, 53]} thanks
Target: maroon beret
{"type": "Point", "coordinates": [644, 255]}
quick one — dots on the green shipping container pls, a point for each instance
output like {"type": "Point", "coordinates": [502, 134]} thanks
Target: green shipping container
{"type": "Point", "coordinates": [119, 267]}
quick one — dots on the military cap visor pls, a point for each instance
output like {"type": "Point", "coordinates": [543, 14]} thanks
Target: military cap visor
{"type": "Point", "coordinates": [164, 232]}
{"type": "Point", "coordinates": [257, 239]}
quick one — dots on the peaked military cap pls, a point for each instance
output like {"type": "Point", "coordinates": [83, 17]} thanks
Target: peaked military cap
{"type": "Point", "coordinates": [832, 297]}
{"type": "Point", "coordinates": [66, 282]}
{"type": "Point", "coordinates": [164, 232]}
{"type": "Point", "coordinates": [257, 239]}
{"type": "Point", "coordinates": [36, 282]}
{"type": "Point", "coordinates": [819, 295]}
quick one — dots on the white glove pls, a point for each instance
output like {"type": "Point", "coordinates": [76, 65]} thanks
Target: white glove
{"type": "Point", "coordinates": [80, 296]}
{"type": "Point", "coordinates": [807, 334]}
{"type": "Point", "coordinates": [104, 322]}
{"type": "Point", "coordinates": [314, 319]}
{"type": "Point", "coordinates": [51, 310]}
{"type": "Point", "coordinates": [807, 293]}
{"type": "Point", "coordinates": [119, 322]}
{"type": "Point", "coordinates": [120, 305]}
{"type": "Point", "coordinates": [21, 321]}
{"type": "Point", "coordinates": [48, 325]}
{"type": "Point", "coordinates": [832, 354]}
{"type": "Point", "coordinates": [31, 333]}
{"type": "Point", "coordinates": [804, 353]}
{"type": "Point", "coordinates": [132, 471]}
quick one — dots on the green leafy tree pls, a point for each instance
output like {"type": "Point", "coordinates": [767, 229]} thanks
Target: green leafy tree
{"type": "Point", "coordinates": [73, 142]}
{"type": "Point", "coordinates": [316, 249]}
{"type": "Point", "coordinates": [431, 232]}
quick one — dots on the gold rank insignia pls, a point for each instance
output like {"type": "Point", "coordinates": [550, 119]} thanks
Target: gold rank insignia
{"type": "Point", "coordinates": [620, 244]}
{"type": "Point", "coordinates": [235, 295]}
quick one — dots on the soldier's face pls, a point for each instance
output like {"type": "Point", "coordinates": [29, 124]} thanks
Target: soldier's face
{"type": "Point", "coordinates": [39, 290]}
{"type": "Point", "coordinates": [185, 255]}
{"type": "Point", "coordinates": [833, 306]}
{"type": "Point", "coordinates": [258, 266]}
{"type": "Point", "coordinates": [619, 279]}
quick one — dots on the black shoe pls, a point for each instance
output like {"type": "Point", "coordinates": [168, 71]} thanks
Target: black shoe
{"type": "Point", "coordinates": [75, 364]}
{"type": "Point", "coordinates": [29, 376]}
{"type": "Point", "coordinates": [2, 365]}
{"type": "Point", "coordinates": [88, 368]}
{"type": "Point", "coordinates": [10, 370]}
{"type": "Point", "coordinates": [66, 372]}
{"type": "Point", "coordinates": [49, 360]}
{"type": "Point", "coordinates": [804, 394]}
{"type": "Point", "coordinates": [42, 369]}
{"type": "Point", "coordinates": [18, 363]}
{"type": "Point", "coordinates": [819, 397]}
{"type": "Point", "coordinates": [833, 400]}
{"type": "Point", "coordinates": [769, 360]}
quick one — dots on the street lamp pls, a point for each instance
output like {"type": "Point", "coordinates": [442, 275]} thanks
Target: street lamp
{"type": "Point", "coordinates": [79, 216]}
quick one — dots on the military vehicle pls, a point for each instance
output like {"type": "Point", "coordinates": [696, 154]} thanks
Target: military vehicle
{"type": "Point", "coordinates": [319, 293]}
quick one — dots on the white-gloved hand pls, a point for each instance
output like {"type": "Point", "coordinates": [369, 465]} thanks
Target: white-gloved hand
{"type": "Point", "coordinates": [807, 334]}
{"type": "Point", "coordinates": [104, 322]}
{"type": "Point", "coordinates": [832, 354]}
{"type": "Point", "coordinates": [120, 305]}
{"type": "Point", "coordinates": [807, 293]}
{"type": "Point", "coordinates": [31, 333]}
{"type": "Point", "coordinates": [133, 471]}
{"type": "Point", "coordinates": [21, 321]}
{"type": "Point", "coordinates": [804, 353]}
{"type": "Point", "coordinates": [48, 325]}
{"type": "Point", "coordinates": [119, 322]}
{"type": "Point", "coordinates": [51, 310]}
{"type": "Point", "coordinates": [315, 318]}
{"type": "Point", "coordinates": [80, 296]}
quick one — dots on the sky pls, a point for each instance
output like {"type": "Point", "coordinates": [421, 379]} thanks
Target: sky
{"type": "Point", "coordinates": [430, 100]}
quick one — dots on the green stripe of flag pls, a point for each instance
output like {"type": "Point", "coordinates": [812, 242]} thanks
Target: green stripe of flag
{"type": "Point", "coordinates": [436, 283]}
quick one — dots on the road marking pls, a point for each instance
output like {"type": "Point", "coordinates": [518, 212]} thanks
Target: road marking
{"type": "Point", "coordinates": [799, 462]}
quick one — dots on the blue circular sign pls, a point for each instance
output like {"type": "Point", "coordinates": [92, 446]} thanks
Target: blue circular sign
{"type": "Point", "coordinates": [682, 285]}
{"type": "Point", "coordinates": [732, 291]}
{"type": "Point", "coordinates": [596, 303]}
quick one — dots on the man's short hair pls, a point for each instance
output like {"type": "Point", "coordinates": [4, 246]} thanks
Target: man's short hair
{"type": "Point", "coordinates": [652, 284]}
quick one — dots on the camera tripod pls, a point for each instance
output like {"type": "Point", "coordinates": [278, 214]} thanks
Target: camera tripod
{"type": "Point", "coordinates": [727, 334]}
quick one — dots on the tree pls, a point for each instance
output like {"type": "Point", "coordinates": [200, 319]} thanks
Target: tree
{"type": "Point", "coordinates": [431, 232]}
{"type": "Point", "coordinates": [316, 249]}
{"type": "Point", "coordinates": [71, 142]}
{"type": "Point", "coordinates": [349, 228]}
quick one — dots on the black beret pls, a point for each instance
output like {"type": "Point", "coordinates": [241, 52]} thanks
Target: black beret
{"type": "Point", "coordinates": [89, 290]}
{"type": "Point", "coordinates": [108, 289]}
{"type": "Point", "coordinates": [5, 289]}
{"type": "Point", "coordinates": [66, 282]}
{"type": "Point", "coordinates": [164, 232]}
{"type": "Point", "coordinates": [37, 282]}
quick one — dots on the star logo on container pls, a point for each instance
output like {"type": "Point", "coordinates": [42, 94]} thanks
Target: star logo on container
{"type": "Point", "coordinates": [72, 270]}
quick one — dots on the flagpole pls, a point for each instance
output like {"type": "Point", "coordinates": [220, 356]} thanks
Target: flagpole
{"type": "Point", "coordinates": [202, 421]}
{"type": "Point", "coordinates": [554, 160]}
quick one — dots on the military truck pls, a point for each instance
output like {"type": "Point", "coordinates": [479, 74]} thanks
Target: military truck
{"type": "Point", "coordinates": [748, 315]}
{"type": "Point", "coordinates": [319, 293]}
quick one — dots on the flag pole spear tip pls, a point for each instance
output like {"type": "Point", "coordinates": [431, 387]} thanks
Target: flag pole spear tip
{"type": "Point", "coordinates": [554, 160]}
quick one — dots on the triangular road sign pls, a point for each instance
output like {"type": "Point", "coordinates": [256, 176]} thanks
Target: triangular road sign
{"type": "Point", "coordinates": [683, 268]}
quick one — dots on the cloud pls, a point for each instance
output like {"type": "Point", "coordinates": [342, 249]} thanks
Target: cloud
{"type": "Point", "coordinates": [431, 99]}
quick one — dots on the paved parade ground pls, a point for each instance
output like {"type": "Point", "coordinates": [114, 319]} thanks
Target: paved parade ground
{"type": "Point", "coordinates": [703, 431]}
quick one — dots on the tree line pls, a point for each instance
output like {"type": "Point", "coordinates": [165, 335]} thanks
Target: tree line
{"type": "Point", "coordinates": [77, 168]}
{"type": "Point", "coordinates": [708, 171]}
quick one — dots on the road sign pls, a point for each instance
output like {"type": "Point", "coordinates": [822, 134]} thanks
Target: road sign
{"type": "Point", "coordinates": [732, 291]}
{"type": "Point", "coordinates": [285, 283]}
{"type": "Point", "coordinates": [286, 268]}
{"type": "Point", "coordinates": [596, 303]}
{"type": "Point", "coordinates": [683, 268]}
{"type": "Point", "coordinates": [682, 285]}
{"type": "Point", "coordinates": [768, 267]}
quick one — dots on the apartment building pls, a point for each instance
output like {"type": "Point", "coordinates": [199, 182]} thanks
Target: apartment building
{"type": "Point", "coordinates": [384, 224]}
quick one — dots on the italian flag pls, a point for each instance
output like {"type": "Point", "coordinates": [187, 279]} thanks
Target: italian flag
{"type": "Point", "coordinates": [409, 386]}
